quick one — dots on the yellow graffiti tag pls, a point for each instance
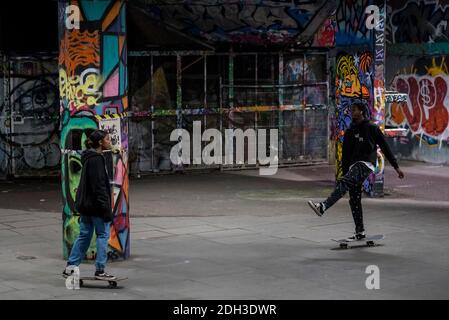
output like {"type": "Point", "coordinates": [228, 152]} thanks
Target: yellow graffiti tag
{"type": "Point", "coordinates": [348, 75]}
{"type": "Point", "coordinates": [81, 90]}
{"type": "Point", "coordinates": [435, 70]}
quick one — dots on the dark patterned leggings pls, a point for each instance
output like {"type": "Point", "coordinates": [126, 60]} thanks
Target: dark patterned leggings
{"type": "Point", "coordinates": [352, 182]}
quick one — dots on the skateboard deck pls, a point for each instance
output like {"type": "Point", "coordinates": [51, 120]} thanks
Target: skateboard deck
{"type": "Point", "coordinates": [369, 242]}
{"type": "Point", "coordinates": [112, 283]}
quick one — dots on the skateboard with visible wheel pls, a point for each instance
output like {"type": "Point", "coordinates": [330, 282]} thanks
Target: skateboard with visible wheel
{"type": "Point", "coordinates": [369, 242]}
{"type": "Point", "coordinates": [112, 283]}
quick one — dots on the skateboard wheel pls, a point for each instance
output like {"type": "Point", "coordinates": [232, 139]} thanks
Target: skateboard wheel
{"type": "Point", "coordinates": [343, 246]}
{"type": "Point", "coordinates": [370, 244]}
{"type": "Point", "coordinates": [113, 284]}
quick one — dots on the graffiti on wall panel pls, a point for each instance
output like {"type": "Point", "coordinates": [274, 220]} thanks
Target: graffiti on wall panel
{"type": "Point", "coordinates": [29, 123]}
{"type": "Point", "coordinates": [325, 36]}
{"type": "Point", "coordinates": [351, 27]}
{"type": "Point", "coordinates": [426, 111]}
{"type": "Point", "coordinates": [419, 109]}
{"type": "Point", "coordinates": [419, 21]}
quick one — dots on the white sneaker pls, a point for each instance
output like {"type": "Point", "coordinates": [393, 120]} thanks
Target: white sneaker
{"type": "Point", "coordinates": [318, 207]}
{"type": "Point", "coordinates": [357, 237]}
{"type": "Point", "coordinates": [68, 271]}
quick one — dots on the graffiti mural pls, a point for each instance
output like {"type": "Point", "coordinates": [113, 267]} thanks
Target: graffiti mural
{"type": "Point", "coordinates": [426, 111]}
{"type": "Point", "coordinates": [256, 22]}
{"type": "Point", "coordinates": [419, 21]}
{"type": "Point", "coordinates": [325, 36]}
{"type": "Point", "coordinates": [79, 49]}
{"type": "Point", "coordinates": [93, 86]}
{"type": "Point", "coordinates": [81, 91]}
{"type": "Point", "coordinates": [29, 140]}
{"type": "Point", "coordinates": [353, 82]}
{"type": "Point", "coordinates": [378, 115]}
{"type": "Point", "coordinates": [418, 31]}
{"type": "Point", "coordinates": [351, 27]}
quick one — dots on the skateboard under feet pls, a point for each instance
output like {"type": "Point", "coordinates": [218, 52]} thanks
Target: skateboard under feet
{"type": "Point", "coordinates": [369, 242]}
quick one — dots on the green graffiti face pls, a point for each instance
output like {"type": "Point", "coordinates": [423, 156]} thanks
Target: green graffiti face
{"type": "Point", "coordinates": [73, 136]}
{"type": "Point", "coordinates": [71, 231]}
{"type": "Point", "coordinates": [74, 170]}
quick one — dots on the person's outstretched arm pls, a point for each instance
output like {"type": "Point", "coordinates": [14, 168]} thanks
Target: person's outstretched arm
{"type": "Point", "coordinates": [383, 145]}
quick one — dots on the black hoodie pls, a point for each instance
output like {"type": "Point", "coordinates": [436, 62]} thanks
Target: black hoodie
{"type": "Point", "coordinates": [93, 197]}
{"type": "Point", "coordinates": [360, 144]}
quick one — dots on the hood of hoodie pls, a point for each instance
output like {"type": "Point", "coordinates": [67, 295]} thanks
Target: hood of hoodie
{"type": "Point", "coordinates": [89, 153]}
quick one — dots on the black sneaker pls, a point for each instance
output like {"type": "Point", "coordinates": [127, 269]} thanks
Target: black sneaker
{"type": "Point", "coordinates": [318, 207]}
{"type": "Point", "coordinates": [101, 275]}
{"type": "Point", "coordinates": [357, 236]}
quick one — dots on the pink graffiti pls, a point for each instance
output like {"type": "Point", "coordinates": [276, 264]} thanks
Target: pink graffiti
{"type": "Point", "coordinates": [426, 110]}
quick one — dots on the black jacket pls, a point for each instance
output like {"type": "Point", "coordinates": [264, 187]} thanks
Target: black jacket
{"type": "Point", "coordinates": [93, 197]}
{"type": "Point", "coordinates": [360, 144]}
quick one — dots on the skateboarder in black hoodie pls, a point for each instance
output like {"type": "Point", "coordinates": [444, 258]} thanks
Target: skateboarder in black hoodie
{"type": "Point", "coordinates": [93, 202]}
{"type": "Point", "coordinates": [358, 162]}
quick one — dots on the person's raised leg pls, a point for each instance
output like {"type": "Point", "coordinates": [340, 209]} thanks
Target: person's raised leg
{"type": "Point", "coordinates": [341, 187]}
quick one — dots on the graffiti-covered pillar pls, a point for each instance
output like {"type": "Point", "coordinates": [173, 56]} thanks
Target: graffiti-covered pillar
{"type": "Point", "coordinates": [378, 112]}
{"type": "Point", "coordinates": [93, 88]}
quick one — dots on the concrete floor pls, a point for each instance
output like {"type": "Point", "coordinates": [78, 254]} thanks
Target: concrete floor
{"type": "Point", "coordinates": [237, 235]}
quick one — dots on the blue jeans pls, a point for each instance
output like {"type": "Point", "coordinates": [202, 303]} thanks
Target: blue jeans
{"type": "Point", "coordinates": [87, 226]}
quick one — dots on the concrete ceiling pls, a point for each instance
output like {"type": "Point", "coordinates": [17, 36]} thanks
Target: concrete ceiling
{"type": "Point", "coordinates": [218, 22]}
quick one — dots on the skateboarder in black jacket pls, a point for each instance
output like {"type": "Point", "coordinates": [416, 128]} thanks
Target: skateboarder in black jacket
{"type": "Point", "coordinates": [93, 202]}
{"type": "Point", "coordinates": [358, 162]}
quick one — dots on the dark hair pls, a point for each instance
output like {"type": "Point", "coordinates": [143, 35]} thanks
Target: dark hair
{"type": "Point", "coordinates": [94, 138]}
{"type": "Point", "coordinates": [361, 106]}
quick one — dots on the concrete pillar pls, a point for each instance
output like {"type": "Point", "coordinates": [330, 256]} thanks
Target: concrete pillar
{"type": "Point", "coordinates": [93, 85]}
